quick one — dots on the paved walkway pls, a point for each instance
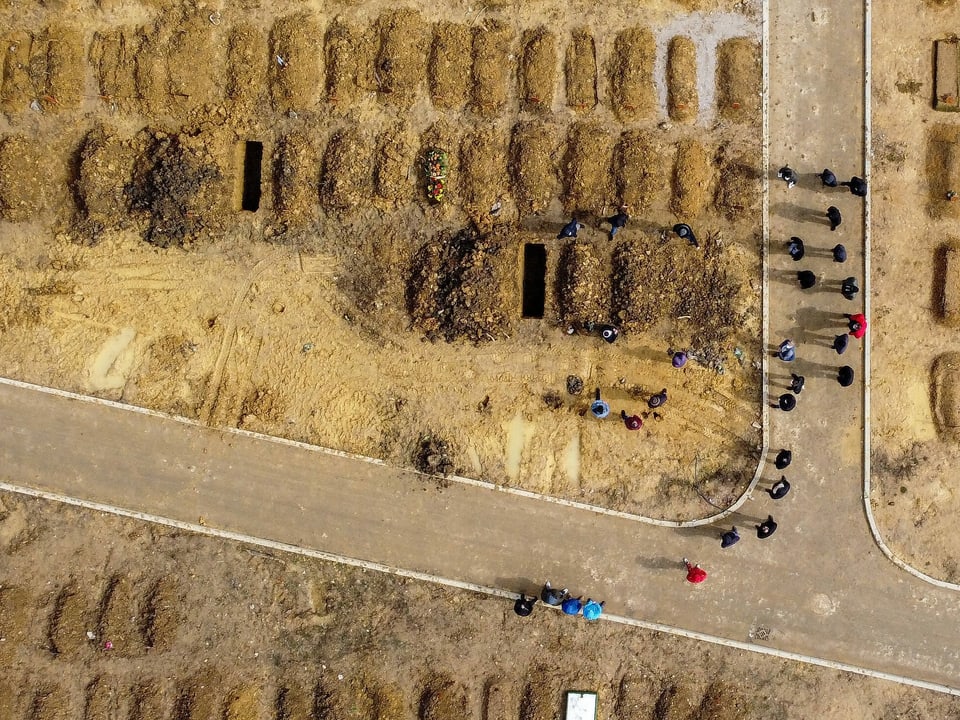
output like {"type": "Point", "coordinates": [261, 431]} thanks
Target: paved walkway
{"type": "Point", "coordinates": [819, 587]}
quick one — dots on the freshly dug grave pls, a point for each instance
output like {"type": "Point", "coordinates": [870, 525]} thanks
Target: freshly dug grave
{"type": "Point", "coordinates": [641, 174]}
{"type": "Point", "coordinates": [738, 184]}
{"type": "Point", "coordinates": [349, 53]}
{"type": "Point", "coordinates": [69, 620]}
{"type": "Point", "coordinates": [943, 170]}
{"type": "Point", "coordinates": [538, 70]}
{"type": "Point", "coordinates": [394, 175]}
{"type": "Point", "coordinates": [581, 70]}
{"type": "Point", "coordinates": [692, 178]}
{"type": "Point", "coordinates": [119, 620]}
{"type": "Point", "coordinates": [106, 166]}
{"type": "Point", "coordinates": [444, 135]}
{"type": "Point", "coordinates": [485, 154]}
{"type": "Point", "coordinates": [17, 84]}
{"type": "Point", "coordinates": [632, 91]}
{"type": "Point", "coordinates": [683, 102]}
{"type": "Point", "coordinates": [401, 60]}
{"type": "Point", "coordinates": [112, 54]}
{"type": "Point", "coordinates": [449, 65]}
{"type": "Point", "coordinates": [583, 285]}
{"type": "Point", "coordinates": [246, 65]}
{"type": "Point", "coordinates": [176, 187]}
{"type": "Point", "coordinates": [296, 77]}
{"type": "Point", "coordinates": [346, 179]}
{"type": "Point", "coordinates": [442, 699]}
{"type": "Point", "coordinates": [463, 286]}
{"type": "Point", "coordinates": [61, 82]}
{"type": "Point", "coordinates": [739, 80]}
{"type": "Point", "coordinates": [296, 175]}
{"type": "Point", "coordinates": [23, 179]}
{"type": "Point", "coordinates": [491, 68]}
{"type": "Point", "coordinates": [586, 169]}
{"type": "Point", "coordinates": [533, 167]}
{"type": "Point", "coordinates": [195, 60]}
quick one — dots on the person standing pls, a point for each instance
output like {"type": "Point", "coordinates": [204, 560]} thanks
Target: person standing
{"type": "Point", "coordinates": [679, 359]}
{"type": "Point", "coordinates": [796, 383]}
{"type": "Point", "coordinates": [598, 407]}
{"type": "Point", "coordinates": [551, 595]}
{"type": "Point", "coordinates": [828, 178]}
{"type": "Point", "coordinates": [618, 221]}
{"type": "Point", "coordinates": [833, 215]}
{"type": "Point", "coordinates": [788, 175]}
{"type": "Point", "coordinates": [787, 351]}
{"type": "Point", "coordinates": [807, 279]}
{"type": "Point", "coordinates": [633, 422]}
{"type": "Point", "coordinates": [779, 489]}
{"type": "Point", "coordinates": [849, 288]}
{"type": "Point", "coordinates": [845, 376]}
{"type": "Point", "coordinates": [839, 253]}
{"type": "Point", "coordinates": [729, 538]}
{"type": "Point", "coordinates": [593, 609]}
{"type": "Point", "coordinates": [767, 528]}
{"type": "Point", "coordinates": [786, 402]}
{"type": "Point", "coordinates": [524, 605]}
{"type": "Point", "coordinates": [657, 400]}
{"type": "Point", "coordinates": [572, 605]}
{"type": "Point", "coordinates": [857, 324]}
{"type": "Point", "coordinates": [795, 248]}
{"type": "Point", "coordinates": [840, 343]}
{"type": "Point", "coordinates": [685, 232]}
{"type": "Point", "coordinates": [570, 230]}
{"type": "Point", "coordinates": [695, 573]}
{"type": "Point", "coordinates": [857, 185]}
{"type": "Point", "coordinates": [783, 459]}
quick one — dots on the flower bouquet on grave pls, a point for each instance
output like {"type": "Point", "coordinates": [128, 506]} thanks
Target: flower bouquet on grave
{"type": "Point", "coordinates": [435, 166]}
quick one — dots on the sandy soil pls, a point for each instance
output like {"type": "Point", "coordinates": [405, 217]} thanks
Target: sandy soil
{"type": "Point", "coordinates": [914, 161]}
{"type": "Point", "coordinates": [200, 628]}
{"type": "Point", "coordinates": [346, 310]}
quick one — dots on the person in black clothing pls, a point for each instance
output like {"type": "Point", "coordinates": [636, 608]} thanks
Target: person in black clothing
{"type": "Point", "coordinates": [551, 595]}
{"type": "Point", "coordinates": [828, 178]}
{"type": "Point", "coordinates": [839, 253]}
{"type": "Point", "coordinates": [783, 459]}
{"type": "Point", "coordinates": [857, 185]}
{"type": "Point", "coordinates": [570, 229]}
{"type": "Point", "coordinates": [796, 383]}
{"type": "Point", "coordinates": [730, 537]}
{"type": "Point", "coordinates": [767, 528]}
{"type": "Point", "coordinates": [845, 376]}
{"type": "Point", "coordinates": [840, 343]}
{"type": "Point", "coordinates": [786, 402]}
{"type": "Point", "coordinates": [657, 400]}
{"type": "Point", "coordinates": [795, 248]}
{"type": "Point", "coordinates": [807, 279]}
{"type": "Point", "coordinates": [685, 232]}
{"type": "Point", "coordinates": [618, 221]}
{"type": "Point", "coordinates": [849, 288]}
{"type": "Point", "coordinates": [833, 215]}
{"type": "Point", "coordinates": [524, 605]}
{"type": "Point", "coordinates": [788, 175]}
{"type": "Point", "coordinates": [779, 489]}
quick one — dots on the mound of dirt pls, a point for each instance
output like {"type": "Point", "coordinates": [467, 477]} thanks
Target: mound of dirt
{"type": "Point", "coordinates": [738, 184]}
{"type": "Point", "coordinates": [195, 62]}
{"type": "Point", "coordinates": [683, 101]}
{"type": "Point", "coordinates": [632, 91]}
{"type": "Point", "coordinates": [346, 179]}
{"type": "Point", "coordinates": [401, 59]}
{"type": "Point", "coordinates": [106, 168]}
{"type": "Point", "coordinates": [586, 169]}
{"type": "Point", "coordinates": [388, 703]}
{"type": "Point", "coordinates": [243, 704]}
{"type": "Point", "coordinates": [295, 74]}
{"type": "Point", "coordinates": [538, 700]}
{"type": "Point", "coordinates": [199, 697]}
{"type": "Point", "coordinates": [147, 702]}
{"type": "Point", "coordinates": [676, 702]}
{"type": "Point", "coordinates": [640, 176]}
{"type": "Point", "coordinates": [485, 153]}
{"type": "Point", "coordinates": [293, 703]}
{"type": "Point", "coordinates": [723, 702]}
{"type": "Point", "coordinates": [580, 68]}
{"type": "Point", "coordinates": [70, 620]}
{"type": "Point", "coordinates": [943, 170]}
{"type": "Point", "coordinates": [17, 85]}
{"type": "Point", "coordinates": [50, 702]}
{"type": "Point", "coordinates": [296, 176]}
{"type": "Point", "coordinates": [23, 179]}
{"type": "Point", "coordinates": [692, 179]}
{"type": "Point", "coordinates": [442, 699]}
{"type": "Point", "coordinates": [113, 54]}
{"type": "Point", "coordinates": [491, 68]}
{"type": "Point", "coordinates": [538, 70]}
{"type": "Point", "coordinates": [176, 187]}
{"type": "Point", "coordinates": [349, 55]}
{"type": "Point", "coordinates": [739, 80]}
{"type": "Point", "coordinates": [636, 697]}
{"type": "Point", "coordinates": [103, 698]}
{"type": "Point", "coordinates": [533, 167]}
{"type": "Point", "coordinates": [15, 612]}
{"type": "Point", "coordinates": [458, 287]}
{"type": "Point", "coordinates": [443, 135]}
{"type": "Point", "coordinates": [246, 66]}
{"type": "Point", "coordinates": [60, 83]}
{"type": "Point", "coordinates": [583, 292]}
{"type": "Point", "coordinates": [393, 172]}
{"type": "Point", "coordinates": [449, 65]}
{"type": "Point", "coordinates": [161, 615]}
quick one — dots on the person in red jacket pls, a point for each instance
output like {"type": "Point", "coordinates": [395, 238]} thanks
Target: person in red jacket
{"type": "Point", "coordinates": [695, 573]}
{"type": "Point", "coordinates": [858, 325]}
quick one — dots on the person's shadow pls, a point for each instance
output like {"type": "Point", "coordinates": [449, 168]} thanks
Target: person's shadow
{"type": "Point", "coordinates": [800, 214]}
{"type": "Point", "coordinates": [660, 562]}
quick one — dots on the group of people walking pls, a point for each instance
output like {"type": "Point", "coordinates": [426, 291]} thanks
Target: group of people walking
{"type": "Point", "coordinates": [569, 605]}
